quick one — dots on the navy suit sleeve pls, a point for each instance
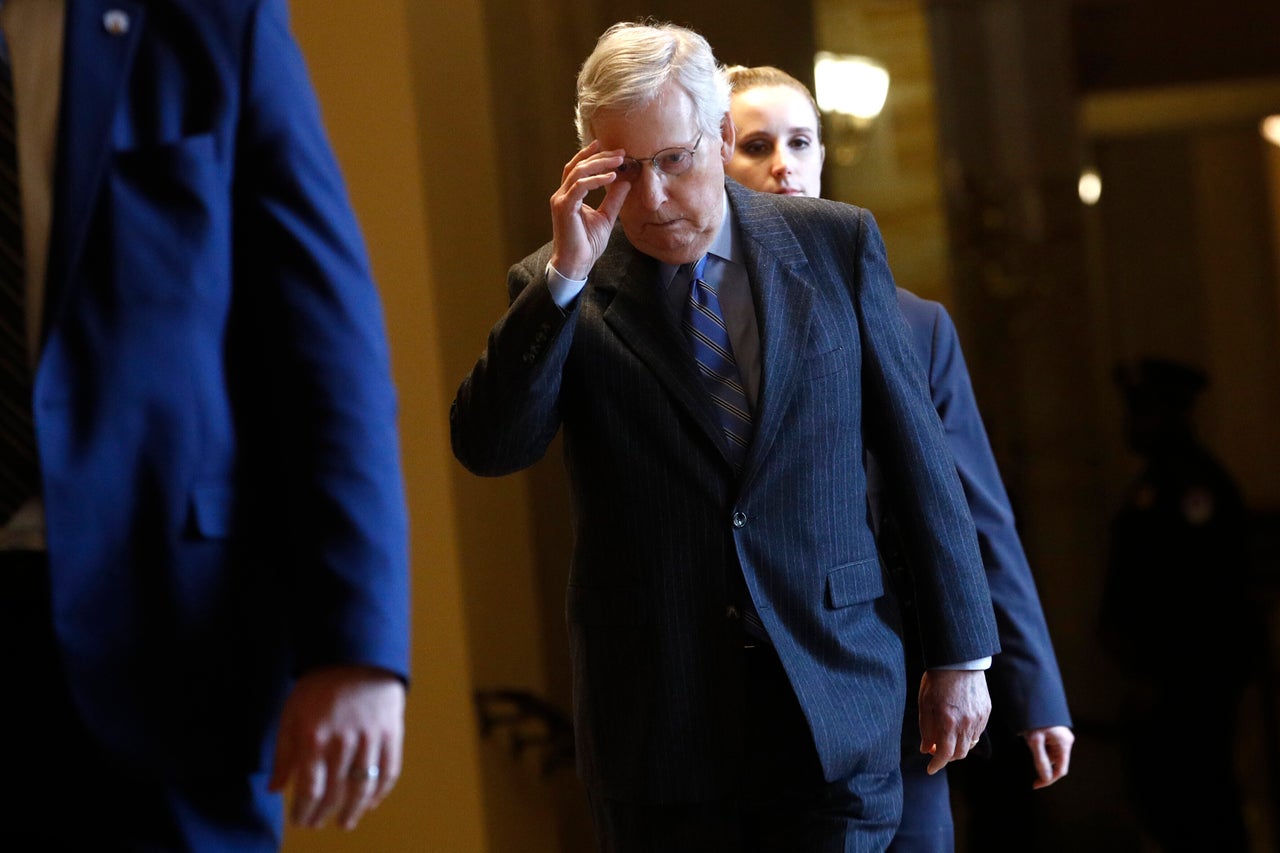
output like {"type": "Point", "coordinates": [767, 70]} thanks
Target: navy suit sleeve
{"type": "Point", "coordinates": [956, 622]}
{"type": "Point", "coordinates": [507, 410]}
{"type": "Point", "coordinates": [1026, 684]}
{"type": "Point", "coordinates": [300, 261]}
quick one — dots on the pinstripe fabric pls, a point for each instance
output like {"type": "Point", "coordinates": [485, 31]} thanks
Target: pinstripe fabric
{"type": "Point", "coordinates": [1026, 685]}
{"type": "Point", "coordinates": [18, 473]}
{"type": "Point", "coordinates": [664, 524]}
{"type": "Point", "coordinates": [713, 353]}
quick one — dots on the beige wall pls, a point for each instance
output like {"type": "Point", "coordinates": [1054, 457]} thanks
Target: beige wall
{"type": "Point", "coordinates": [360, 60]}
{"type": "Point", "coordinates": [1273, 193]}
{"type": "Point", "coordinates": [1234, 262]}
{"type": "Point", "coordinates": [1186, 248]}
{"type": "Point", "coordinates": [897, 172]}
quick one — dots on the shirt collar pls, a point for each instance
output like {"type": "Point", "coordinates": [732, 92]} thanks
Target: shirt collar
{"type": "Point", "coordinates": [725, 245]}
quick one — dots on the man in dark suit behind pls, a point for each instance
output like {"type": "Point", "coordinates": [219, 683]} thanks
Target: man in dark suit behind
{"type": "Point", "coordinates": [738, 668]}
{"type": "Point", "coordinates": [779, 133]}
{"type": "Point", "coordinates": [1026, 687]}
{"type": "Point", "coordinates": [202, 533]}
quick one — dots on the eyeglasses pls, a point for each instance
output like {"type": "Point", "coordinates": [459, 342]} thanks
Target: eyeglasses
{"type": "Point", "coordinates": [668, 161]}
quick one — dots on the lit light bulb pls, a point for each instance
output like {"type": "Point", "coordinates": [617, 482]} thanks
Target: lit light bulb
{"type": "Point", "coordinates": [853, 85]}
{"type": "Point", "coordinates": [1090, 187]}
{"type": "Point", "coordinates": [1270, 128]}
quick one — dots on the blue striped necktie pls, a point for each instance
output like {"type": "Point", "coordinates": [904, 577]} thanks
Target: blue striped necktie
{"type": "Point", "coordinates": [18, 471]}
{"type": "Point", "coordinates": [713, 353]}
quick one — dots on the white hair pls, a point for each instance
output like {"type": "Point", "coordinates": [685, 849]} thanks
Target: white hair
{"type": "Point", "coordinates": [631, 64]}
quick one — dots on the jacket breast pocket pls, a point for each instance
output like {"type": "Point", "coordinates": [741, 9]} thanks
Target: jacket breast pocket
{"type": "Point", "coordinates": [826, 363]}
{"type": "Point", "coordinates": [854, 583]}
{"type": "Point", "coordinates": [168, 228]}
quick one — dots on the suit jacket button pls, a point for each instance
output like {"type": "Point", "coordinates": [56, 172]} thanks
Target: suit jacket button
{"type": "Point", "coordinates": [116, 22]}
{"type": "Point", "coordinates": [739, 519]}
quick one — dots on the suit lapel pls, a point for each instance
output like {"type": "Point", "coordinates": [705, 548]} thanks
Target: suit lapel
{"type": "Point", "coordinates": [777, 268]}
{"type": "Point", "coordinates": [639, 315]}
{"type": "Point", "coordinates": [96, 61]}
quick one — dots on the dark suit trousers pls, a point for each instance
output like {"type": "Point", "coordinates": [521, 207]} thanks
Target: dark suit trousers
{"type": "Point", "coordinates": [68, 793]}
{"type": "Point", "coordinates": [784, 805]}
{"type": "Point", "coordinates": [927, 825]}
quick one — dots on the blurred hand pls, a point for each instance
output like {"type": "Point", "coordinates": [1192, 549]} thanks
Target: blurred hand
{"type": "Point", "coordinates": [339, 747]}
{"type": "Point", "coordinates": [1050, 753]}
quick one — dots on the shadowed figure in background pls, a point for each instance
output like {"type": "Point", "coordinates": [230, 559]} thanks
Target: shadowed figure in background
{"type": "Point", "coordinates": [1177, 618]}
{"type": "Point", "coordinates": [779, 150]}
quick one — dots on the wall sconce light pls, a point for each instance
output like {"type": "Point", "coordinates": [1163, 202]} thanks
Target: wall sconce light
{"type": "Point", "coordinates": [851, 91]}
{"type": "Point", "coordinates": [1270, 128]}
{"type": "Point", "coordinates": [1090, 186]}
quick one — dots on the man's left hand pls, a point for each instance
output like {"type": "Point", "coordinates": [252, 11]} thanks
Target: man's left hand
{"type": "Point", "coordinates": [339, 745]}
{"type": "Point", "coordinates": [954, 706]}
{"type": "Point", "coordinates": [1050, 753]}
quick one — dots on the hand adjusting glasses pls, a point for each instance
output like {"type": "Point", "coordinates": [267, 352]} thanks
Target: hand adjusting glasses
{"type": "Point", "coordinates": [668, 161]}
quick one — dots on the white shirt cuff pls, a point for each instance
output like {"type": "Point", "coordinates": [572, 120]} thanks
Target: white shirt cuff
{"type": "Point", "coordinates": [563, 290]}
{"type": "Point", "coordinates": [980, 663]}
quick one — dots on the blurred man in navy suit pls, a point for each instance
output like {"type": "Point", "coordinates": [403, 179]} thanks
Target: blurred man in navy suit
{"type": "Point", "coordinates": [203, 546]}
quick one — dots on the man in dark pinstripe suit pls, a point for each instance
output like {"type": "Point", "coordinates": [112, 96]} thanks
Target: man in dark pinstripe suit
{"type": "Point", "coordinates": [738, 665]}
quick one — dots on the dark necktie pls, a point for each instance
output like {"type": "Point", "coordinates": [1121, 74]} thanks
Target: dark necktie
{"type": "Point", "coordinates": [18, 471]}
{"type": "Point", "coordinates": [713, 353]}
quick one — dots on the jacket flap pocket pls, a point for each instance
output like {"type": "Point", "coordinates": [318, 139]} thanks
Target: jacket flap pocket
{"type": "Point", "coordinates": [854, 583]}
